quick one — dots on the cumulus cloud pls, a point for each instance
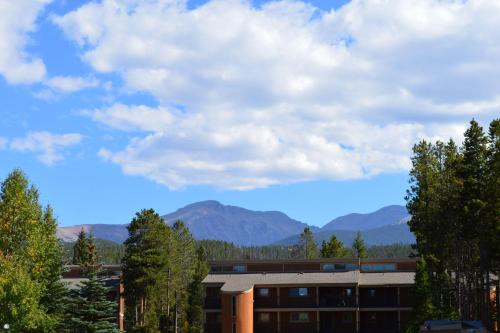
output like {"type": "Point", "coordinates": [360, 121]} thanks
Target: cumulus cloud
{"type": "Point", "coordinates": [132, 118]}
{"type": "Point", "coordinates": [249, 97]}
{"type": "Point", "coordinates": [50, 148]}
{"type": "Point", "coordinates": [18, 20]}
{"type": "Point", "coordinates": [69, 84]}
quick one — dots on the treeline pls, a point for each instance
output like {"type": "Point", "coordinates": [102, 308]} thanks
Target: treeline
{"type": "Point", "coordinates": [112, 253]}
{"type": "Point", "coordinates": [220, 250]}
{"type": "Point", "coordinates": [454, 200]}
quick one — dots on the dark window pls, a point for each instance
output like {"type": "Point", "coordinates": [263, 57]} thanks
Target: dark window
{"type": "Point", "coordinates": [298, 292]}
{"type": "Point", "coordinates": [264, 292]}
{"type": "Point", "coordinates": [347, 317]}
{"type": "Point", "coordinates": [299, 317]}
{"type": "Point", "coordinates": [263, 317]}
{"type": "Point", "coordinates": [234, 327]}
{"type": "Point", "coordinates": [234, 305]}
{"type": "Point", "coordinates": [239, 268]}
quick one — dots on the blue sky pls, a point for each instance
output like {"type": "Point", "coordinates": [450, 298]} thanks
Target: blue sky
{"type": "Point", "coordinates": [310, 108]}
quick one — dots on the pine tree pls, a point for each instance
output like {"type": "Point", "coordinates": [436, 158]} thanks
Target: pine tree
{"type": "Point", "coordinates": [91, 311]}
{"type": "Point", "coordinates": [150, 273]}
{"type": "Point", "coordinates": [194, 312]}
{"type": "Point", "coordinates": [80, 249]}
{"type": "Point", "coordinates": [423, 308]}
{"type": "Point", "coordinates": [333, 249]}
{"type": "Point", "coordinates": [307, 245]}
{"type": "Point", "coordinates": [358, 246]}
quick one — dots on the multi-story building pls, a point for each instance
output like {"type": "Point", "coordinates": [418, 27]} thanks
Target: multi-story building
{"type": "Point", "coordinates": [309, 296]}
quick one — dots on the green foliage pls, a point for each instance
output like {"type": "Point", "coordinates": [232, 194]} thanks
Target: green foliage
{"type": "Point", "coordinates": [90, 310]}
{"type": "Point", "coordinates": [80, 249]}
{"type": "Point", "coordinates": [150, 273]}
{"type": "Point", "coordinates": [108, 252]}
{"type": "Point", "coordinates": [194, 311]}
{"type": "Point", "coordinates": [333, 249]}
{"type": "Point", "coordinates": [359, 247]}
{"type": "Point", "coordinates": [307, 248]}
{"type": "Point", "coordinates": [31, 293]}
{"type": "Point", "coordinates": [453, 199]}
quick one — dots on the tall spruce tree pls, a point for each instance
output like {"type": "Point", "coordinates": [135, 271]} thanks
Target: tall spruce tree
{"type": "Point", "coordinates": [91, 311]}
{"type": "Point", "coordinates": [80, 249]}
{"type": "Point", "coordinates": [195, 291]}
{"type": "Point", "coordinates": [150, 273]}
{"type": "Point", "coordinates": [359, 247]}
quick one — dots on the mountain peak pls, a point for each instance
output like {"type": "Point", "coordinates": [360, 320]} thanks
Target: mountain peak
{"type": "Point", "coordinates": [387, 215]}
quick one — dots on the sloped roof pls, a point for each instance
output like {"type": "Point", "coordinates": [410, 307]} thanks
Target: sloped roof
{"type": "Point", "coordinates": [243, 282]}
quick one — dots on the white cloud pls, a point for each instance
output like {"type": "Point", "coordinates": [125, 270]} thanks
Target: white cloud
{"type": "Point", "coordinates": [50, 148]}
{"type": "Point", "coordinates": [18, 19]}
{"type": "Point", "coordinates": [131, 118]}
{"type": "Point", "coordinates": [69, 84]}
{"type": "Point", "coordinates": [287, 93]}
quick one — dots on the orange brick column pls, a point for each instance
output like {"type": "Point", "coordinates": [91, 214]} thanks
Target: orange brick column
{"type": "Point", "coordinates": [244, 312]}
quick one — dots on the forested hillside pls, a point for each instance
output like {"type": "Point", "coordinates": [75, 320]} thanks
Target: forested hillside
{"type": "Point", "coordinates": [111, 253]}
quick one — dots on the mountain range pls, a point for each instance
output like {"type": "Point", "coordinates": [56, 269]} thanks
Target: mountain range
{"type": "Point", "coordinates": [244, 227]}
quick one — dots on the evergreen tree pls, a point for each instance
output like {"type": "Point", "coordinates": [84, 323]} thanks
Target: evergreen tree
{"type": "Point", "coordinates": [307, 244]}
{"type": "Point", "coordinates": [91, 311]}
{"type": "Point", "coordinates": [358, 246]}
{"type": "Point", "coordinates": [80, 249]}
{"type": "Point", "coordinates": [333, 249]}
{"type": "Point", "coordinates": [423, 308]}
{"type": "Point", "coordinates": [150, 273]}
{"type": "Point", "coordinates": [195, 291]}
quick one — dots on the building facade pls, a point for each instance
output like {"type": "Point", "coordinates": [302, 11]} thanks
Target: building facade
{"type": "Point", "coordinates": [309, 296]}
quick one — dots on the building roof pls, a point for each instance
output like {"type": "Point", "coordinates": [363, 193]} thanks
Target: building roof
{"type": "Point", "coordinates": [232, 283]}
{"type": "Point", "coordinates": [386, 279]}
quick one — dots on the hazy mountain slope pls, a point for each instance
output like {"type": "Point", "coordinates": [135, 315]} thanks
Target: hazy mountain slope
{"type": "Point", "coordinates": [390, 234]}
{"type": "Point", "coordinates": [212, 220]}
{"type": "Point", "coordinates": [384, 216]}
{"type": "Point", "coordinates": [114, 232]}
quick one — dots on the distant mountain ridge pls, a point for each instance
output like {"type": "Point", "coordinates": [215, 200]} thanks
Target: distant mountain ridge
{"type": "Point", "coordinates": [213, 220]}
{"type": "Point", "coordinates": [384, 216]}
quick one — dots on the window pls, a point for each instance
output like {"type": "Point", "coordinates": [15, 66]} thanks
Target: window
{"type": "Point", "coordinates": [234, 327]}
{"type": "Point", "coordinates": [299, 317]}
{"type": "Point", "coordinates": [298, 292]}
{"type": "Point", "coordinates": [264, 292]}
{"type": "Point", "coordinates": [263, 317]}
{"type": "Point", "coordinates": [328, 267]}
{"type": "Point", "coordinates": [339, 267]}
{"type": "Point", "coordinates": [372, 292]}
{"type": "Point", "coordinates": [334, 267]}
{"type": "Point", "coordinates": [239, 268]}
{"type": "Point", "coordinates": [378, 267]}
{"type": "Point", "coordinates": [234, 305]}
{"type": "Point", "coordinates": [347, 317]}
